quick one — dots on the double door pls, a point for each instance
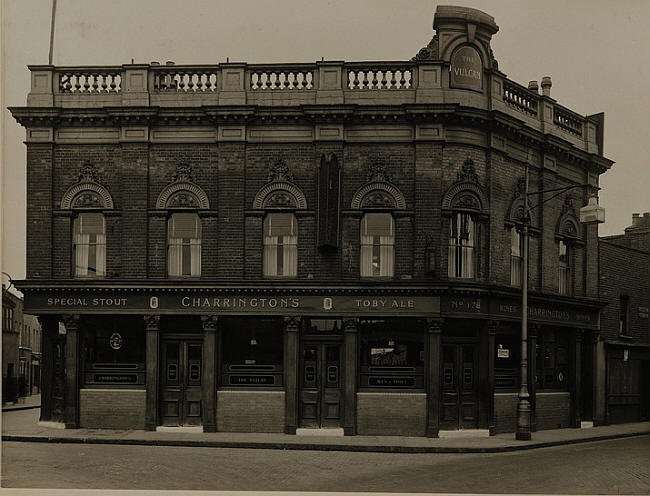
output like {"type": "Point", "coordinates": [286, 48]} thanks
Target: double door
{"type": "Point", "coordinates": [459, 387]}
{"type": "Point", "coordinates": [321, 385]}
{"type": "Point", "coordinates": [181, 382]}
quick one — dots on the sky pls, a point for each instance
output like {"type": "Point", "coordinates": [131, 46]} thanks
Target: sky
{"type": "Point", "coordinates": [597, 53]}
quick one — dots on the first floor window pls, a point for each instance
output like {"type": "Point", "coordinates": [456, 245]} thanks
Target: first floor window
{"type": "Point", "coordinates": [516, 253]}
{"type": "Point", "coordinates": [184, 245]}
{"type": "Point", "coordinates": [461, 246]}
{"type": "Point", "coordinates": [89, 245]}
{"type": "Point", "coordinates": [280, 245]}
{"type": "Point", "coordinates": [565, 262]}
{"type": "Point", "coordinates": [377, 245]}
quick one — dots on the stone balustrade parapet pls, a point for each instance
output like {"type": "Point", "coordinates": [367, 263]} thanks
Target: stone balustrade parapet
{"type": "Point", "coordinates": [287, 84]}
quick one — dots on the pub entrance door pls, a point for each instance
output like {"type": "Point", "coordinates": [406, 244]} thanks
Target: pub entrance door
{"type": "Point", "coordinates": [321, 396]}
{"type": "Point", "coordinates": [459, 387]}
{"type": "Point", "coordinates": [181, 382]}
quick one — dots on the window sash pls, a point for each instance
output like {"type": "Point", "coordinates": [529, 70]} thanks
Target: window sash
{"type": "Point", "coordinates": [516, 257]}
{"type": "Point", "coordinates": [377, 239]}
{"type": "Point", "coordinates": [280, 245]}
{"type": "Point", "coordinates": [184, 245]}
{"type": "Point", "coordinates": [89, 245]}
{"type": "Point", "coordinates": [461, 246]}
{"type": "Point", "coordinates": [564, 269]}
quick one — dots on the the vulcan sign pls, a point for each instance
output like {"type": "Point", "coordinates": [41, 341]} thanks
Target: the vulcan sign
{"type": "Point", "coordinates": [466, 70]}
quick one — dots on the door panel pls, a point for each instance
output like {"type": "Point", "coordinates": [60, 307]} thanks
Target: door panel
{"type": "Point", "coordinates": [181, 383]}
{"type": "Point", "coordinates": [320, 385]}
{"type": "Point", "coordinates": [459, 396]}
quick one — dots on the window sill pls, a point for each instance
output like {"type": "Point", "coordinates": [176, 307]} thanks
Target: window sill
{"type": "Point", "coordinates": [626, 336]}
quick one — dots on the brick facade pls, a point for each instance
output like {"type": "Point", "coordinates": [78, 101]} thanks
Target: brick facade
{"type": "Point", "coordinates": [409, 139]}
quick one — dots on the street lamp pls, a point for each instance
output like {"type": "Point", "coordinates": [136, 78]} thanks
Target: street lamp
{"type": "Point", "coordinates": [589, 214]}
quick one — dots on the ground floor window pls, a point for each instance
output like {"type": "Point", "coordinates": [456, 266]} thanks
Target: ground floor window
{"type": "Point", "coordinates": [113, 351]}
{"type": "Point", "coordinates": [553, 359]}
{"type": "Point", "coordinates": [252, 352]}
{"type": "Point", "coordinates": [506, 359]}
{"type": "Point", "coordinates": [392, 353]}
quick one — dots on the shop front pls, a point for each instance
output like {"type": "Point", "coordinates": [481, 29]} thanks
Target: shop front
{"type": "Point", "coordinates": [389, 362]}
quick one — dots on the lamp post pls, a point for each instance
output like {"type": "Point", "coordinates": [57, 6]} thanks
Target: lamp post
{"type": "Point", "coordinates": [589, 214]}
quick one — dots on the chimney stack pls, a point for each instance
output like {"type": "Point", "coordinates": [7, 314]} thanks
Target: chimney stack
{"type": "Point", "coordinates": [546, 86]}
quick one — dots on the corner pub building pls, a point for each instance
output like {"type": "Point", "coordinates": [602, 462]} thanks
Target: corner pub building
{"type": "Point", "coordinates": [260, 248]}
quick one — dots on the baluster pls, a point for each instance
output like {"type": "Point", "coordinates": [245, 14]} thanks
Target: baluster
{"type": "Point", "coordinates": [288, 80]}
{"type": "Point", "coordinates": [77, 84]}
{"type": "Point", "coordinates": [355, 79]}
{"type": "Point", "coordinates": [104, 86]}
{"type": "Point", "coordinates": [65, 83]}
{"type": "Point", "coordinates": [277, 80]}
{"type": "Point", "coordinates": [375, 81]}
{"type": "Point", "coordinates": [393, 80]}
{"type": "Point", "coordinates": [402, 79]}
{"type": "Point", "coordinates": [86, 82]}
{"type": "Point", "coordinates": [208, 82]}
{"type": "Point", "coordinates": [366, 79]}
{"type": "Point", "coordinates": [112, 85]}
{"type": "Point", "coordinates": [190, 82]}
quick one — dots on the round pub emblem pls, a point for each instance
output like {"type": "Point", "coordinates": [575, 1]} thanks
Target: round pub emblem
{"type": "Point", "coordinates": [116, 341]}
{"type": "Point", "coordinates": [327, 303]}
{"type": "Point", "coordinates": [153, 302]}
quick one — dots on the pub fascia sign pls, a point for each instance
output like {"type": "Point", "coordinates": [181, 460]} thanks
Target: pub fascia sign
{"type": "Point", "coordinates": [202, 301]}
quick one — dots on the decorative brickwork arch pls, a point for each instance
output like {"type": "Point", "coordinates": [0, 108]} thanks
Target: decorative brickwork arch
{"type": "Point", "coordinates": [86, 195]}
{"type": "Point", "coordinates": [182, 195]}
{"type": "Point", "coordinates": [467, 196]}
{"type": "Point", "coordinates": [378, 195]}
{"type": "Point", "coordinates": [568, 225]}
{"type": "Point", "coordinates": [280, 195]}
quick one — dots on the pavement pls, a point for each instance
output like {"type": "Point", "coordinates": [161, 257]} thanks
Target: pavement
{"type": "Point", "coordinates": [20, 424]}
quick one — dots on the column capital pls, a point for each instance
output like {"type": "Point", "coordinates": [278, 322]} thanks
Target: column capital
{"type": "Point", "coordinates": [291, 324]}
{"type": "Point", "coordinates": [351, 325]}
{"type": "Point", "coordinates": [152, 322]}
{"type": "Point", "coordinates": [435, 324]}
{"type": "Point", "coordinates": [534, 330]}
{"type": "Point", "coordinates": [209, 322]}
{"type": "Point", "coordinates": [71, 321]}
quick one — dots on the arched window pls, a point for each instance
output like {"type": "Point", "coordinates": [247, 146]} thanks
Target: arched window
{"type": "Point", "coordinates": [184, 245]}
{"type": "Point", "coordinates": [565, 263]}
{"type": "Point", "coordinates": [462, 235]}
{"type": "Point", "coordinates": [89, 245]}
{"type": "Point", "coordinates": [280, 245]}
{"type": "Point", "coordinates": [377, 245]}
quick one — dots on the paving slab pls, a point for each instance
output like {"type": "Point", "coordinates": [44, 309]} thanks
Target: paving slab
{"type": "Point", "coordinates": [23, 425]}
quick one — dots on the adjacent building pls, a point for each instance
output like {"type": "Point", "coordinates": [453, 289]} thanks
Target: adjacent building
{"type": "Point", "coordinates": [269, 247]}
{"type": "Point", "coordinates": [21, 345]}
{"type": "Point", "coordinates": [623, 359]}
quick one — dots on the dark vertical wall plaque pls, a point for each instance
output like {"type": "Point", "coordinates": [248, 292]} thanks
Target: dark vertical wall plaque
{"type": "Point", "coordinates": [328, 202]}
